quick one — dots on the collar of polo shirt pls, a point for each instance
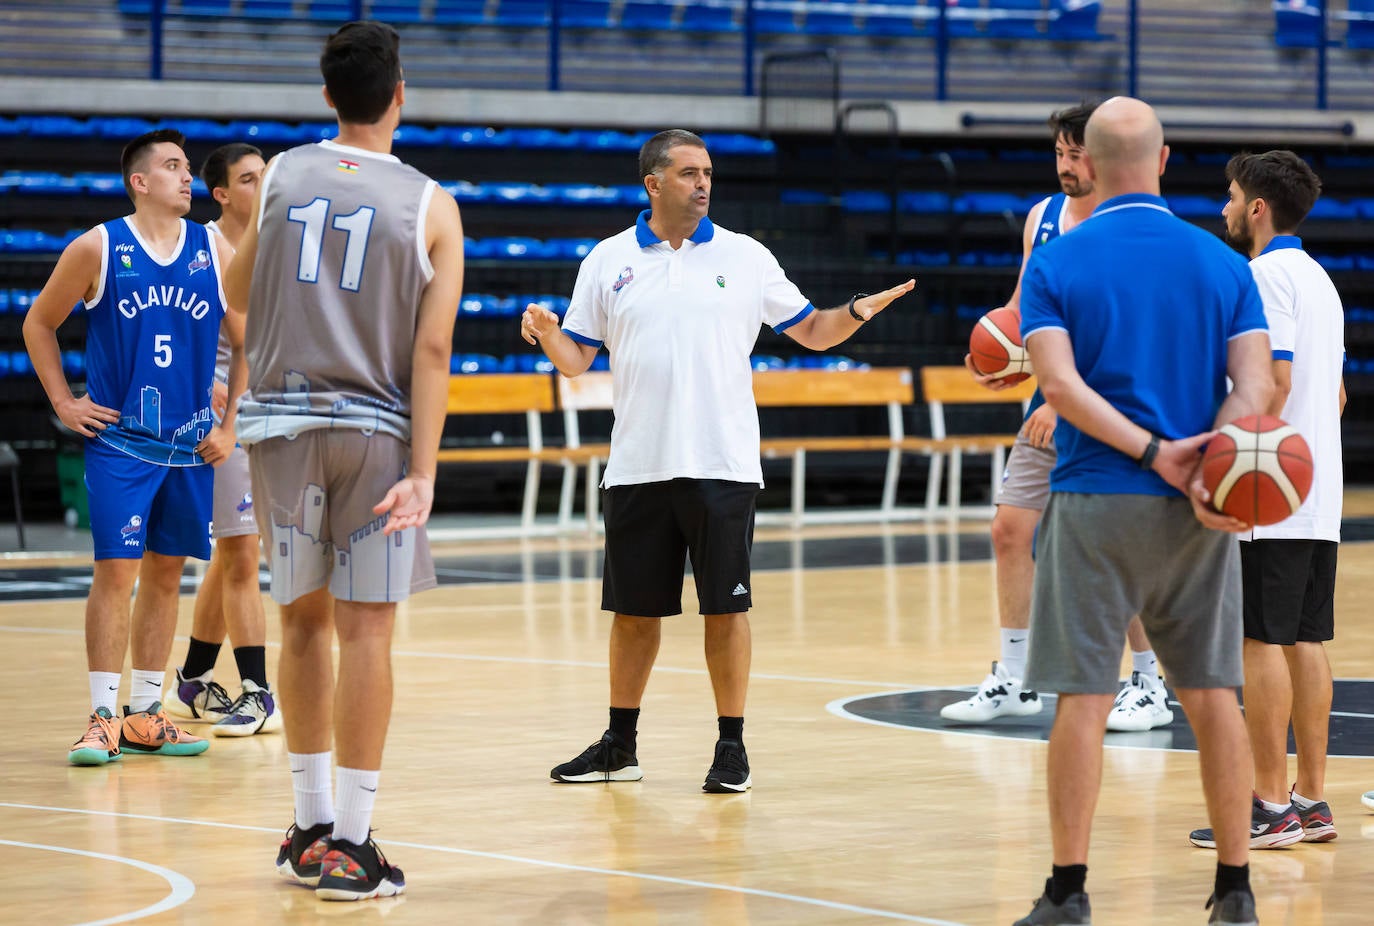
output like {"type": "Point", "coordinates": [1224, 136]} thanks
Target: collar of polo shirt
{"type": "Point", "coordinates": [646, 237]}
{"type": "Point", "coordinates": [1279, 242]}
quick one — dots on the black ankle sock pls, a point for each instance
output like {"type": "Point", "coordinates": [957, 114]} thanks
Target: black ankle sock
{"type": "Point", "coordinates": [731, 728]}
{"type": "Point", "coordinates": [1065, 881]}
{"type": "Point", "coordinates": [623, 722]}
{"type": "Point", "coordinates": [200, 658]}
{"type": "Point", "coordinates": [1231, 878]}
{"type": "Point", "coordinates": [252, 663]}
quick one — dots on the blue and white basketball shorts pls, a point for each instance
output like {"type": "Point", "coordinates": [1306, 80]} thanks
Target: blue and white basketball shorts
{"type": "Point", "coordinates": [137, 506]}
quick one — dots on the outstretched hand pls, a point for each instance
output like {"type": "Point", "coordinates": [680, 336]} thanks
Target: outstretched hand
{"type": "Point", "coordinates": [537, 322]}
{"type": "Point", "coordinates": [869, 306]}
{"type": "Point", "coordinates": [408, 501]}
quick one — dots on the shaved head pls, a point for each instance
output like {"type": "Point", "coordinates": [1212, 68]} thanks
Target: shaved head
{"type": "Point", "coordinates": [1125, 143]}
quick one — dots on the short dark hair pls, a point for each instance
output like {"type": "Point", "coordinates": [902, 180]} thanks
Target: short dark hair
{"type": "Point", "coordinates": [1282, 179]}
{"type": "Point", "coordinates": [653, 157]}
{"type": "Point", "coordinates": [1072, 122]}
{"type": "Point", "coordinates": [134, 158]}
{"type": "Point", "coordinates": [215, 170]}
{"type": "Point", "coordinates": [361, 64]}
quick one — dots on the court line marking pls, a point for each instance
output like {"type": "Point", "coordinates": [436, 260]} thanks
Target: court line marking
{"type": "Point", "coordinates": [500, 857]}
{"type": "Point", "coordinates": [183, 888]}
{"type": "Point", "coordinates": [840, 708]}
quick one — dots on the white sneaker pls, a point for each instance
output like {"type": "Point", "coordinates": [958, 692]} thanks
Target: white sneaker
{"type": "Point", "coordinates": [194, 699]}
{"type": "Point", "coordinates": [254, 711]}
{"type": "Point", "coordinates": [1142, 704]}
{"type": "Point", "coordinates": [1000, 695]}
{"type": "Point", "coordinates": [1367, 799]}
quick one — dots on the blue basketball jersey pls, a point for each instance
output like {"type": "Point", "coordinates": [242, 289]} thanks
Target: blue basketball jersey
{"type": "Point", "coordinates": [1050, 220]}
{"type": "Point", "coordinates": [151, 337]}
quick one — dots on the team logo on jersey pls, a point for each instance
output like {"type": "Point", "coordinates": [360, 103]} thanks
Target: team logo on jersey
{"type": "Point", "coordinates": [131, 529]}
{"type": "Point", "coordinates": [626, 277]}
{"type": "Point", "coordinates": [720, 281]}
{"type": "Point", "coordinates": [348, 167]}
{"type": "Point", "coordinates": [127, 261]}
{"type": "Point", "coordinates": [201, 262]}
{"type": "Point", "coordinates": [245, 503]}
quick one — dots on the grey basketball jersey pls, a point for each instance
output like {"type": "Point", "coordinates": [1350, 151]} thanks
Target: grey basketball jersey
{"type": "Point", "coordinates": [223, 351]}
{"type": "Point", "coordinates": [340, 269]}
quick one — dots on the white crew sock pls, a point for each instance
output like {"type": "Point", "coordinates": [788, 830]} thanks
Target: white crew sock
{"type": "Point", "coordinates": [1302, 803]}
{"type": "Point", "coordinates": [1272, 807]}
{"type": "Point", "coordinates": [1014, 646]}
{"type": "Point", "coordinates": [105, 691]}
{"type": "Point", "coordinates": [310, 787]}
{"type": "Point", "coordinates": [145, 688]}
{"type": "Point", "coordinates": [1146, 664]}
{"type": "Point", "coordinates": [357, 792]}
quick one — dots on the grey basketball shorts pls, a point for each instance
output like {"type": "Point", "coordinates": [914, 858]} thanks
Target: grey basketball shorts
{"type": "Point", "coordinates": [1026, 477]}
{"type": "Point", "coordinates": [314, 496]}
{"type": "Point", "coordinates": [1101, 559]}
{"type": "Point", "coordinates": [233, 511]}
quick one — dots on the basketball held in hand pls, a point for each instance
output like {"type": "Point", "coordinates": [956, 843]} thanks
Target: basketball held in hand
{"type": "Point", "coordinates": [1258, 469]}
{"type": "Point", "coordinates": [995, 346]}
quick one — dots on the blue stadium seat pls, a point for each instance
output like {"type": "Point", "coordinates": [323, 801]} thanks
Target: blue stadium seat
{"type": "Point", "coordinates": [44, 183]}
{"type": "Point", "coordinates": [20, 365]}
{"type": "Point", "coordinates": [520, 193]}
{"type": "Point", "coordinates": [544, 138]}
{"type": "Point", "coordinates": [268, 9]}
{"type": "Point", "coordinates": [1195, 207]}
{"type": "Point", "coordinates": [764, 362]}
{"type": "Point", "coordinates": [583, 194]}
{"type": "Point", "coordinates": [59, 127]}
{"type": "Point", "coordinates": [474, 363]}
{"type": "Point", "coordinates": [415, 136]}
{"type": "Point", "coordinates": [570, 248]}
{"type": "Point", "coordinates": [1359, 27]}
{"type": "Point", "coordinates": [396, 11]}
{"type": "Point", "coordinates": [840, 362]}
{"type": "Point", "coordinates": [556, 304]}
{"type": "Point", "coordinates": [709, 17]}
{"type": "Point", "coordinates": [333, 11]}
{"type": "Point", "coordinates": [529, 363]}
{"type": "Point", "coordinates": [1334, 264]}
{"type": "Point", "coordinates": [204, 7]}
{"type": "Point", "coordinates": [476, 137]}
{"type": "Point", "coordinates": [268, 132]}
{"type": "Point", "coordinates": [1334, 210]}
{"type": "Point", "coordinates": [102, 184]}
{"type": "Point", "coordinates": [865, 201]}
{"type": "Point", "coordinates": [990, 203]}
{"type": "Point", "coordinates": [206, 130]}
{"type": "Point", "coordinates": [1076, 21]}
{"type": "Point", "coordinates": [895, 18]}
{"type": "Point", "coordinates": [647, 15]}
{"type": "Point", "coordinates": [459, 12]}
{"type": "Point", "coordinates": [74, 363]}
{"type": "Point", "coordinates": [803, 198]}
{"type": "Point", "coordinates": [632, 194]}
{"type": "Point", "coordinates": [14, 128]}
{"type": "Point", "coordinates": [776, 17]}
{"type": "Point", "coordinates": [831, 19]}
{"type": "Point", "coordinates": [477, 250]}
{"type": "Point", "coordinates": [521, 249]}
{"type": "Point", "coordinates": [523, 13]}
{"type": "Point", "coordinates": [923, 203]}
{"type": "Point", "coordinates": [584, 14]}
{"type": "Point", "coordinates": [465, 192]}
{"type": "Point", "coordinates": [1297, 23]}
{"type": "Point", "coordinates": [474, 304]}
{"type": "Point", "coordinates": [1015, 19]}
{"type": "Point", "coordinates": [737, 144]}
{"type": "Point", "coordinates": [135, 7]}
{"type": "Point", "coordinates": [122, 128]}
{"type": "Point", "coordinates": [958, 23]}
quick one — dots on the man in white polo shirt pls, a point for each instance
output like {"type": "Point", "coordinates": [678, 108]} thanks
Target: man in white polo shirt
{"type": "Point", "coordinates": [678, 302]}
{"type": "Point", "coordinates": [1288, 570]}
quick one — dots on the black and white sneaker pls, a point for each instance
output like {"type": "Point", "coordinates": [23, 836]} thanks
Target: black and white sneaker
{"type": "Point", "coordinates": [729, 772]}
{"type": "Point", "coordinates": [604, 760]}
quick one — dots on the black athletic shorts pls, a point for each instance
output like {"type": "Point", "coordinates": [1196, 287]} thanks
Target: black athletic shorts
{"type": "Point", "coordinates": [1289, 588]}
{"type": "Point", "coordinates": [652, 528]}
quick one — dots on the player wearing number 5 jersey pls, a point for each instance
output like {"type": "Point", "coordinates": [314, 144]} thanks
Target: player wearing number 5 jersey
{"type": "Point", "coordinates": [352, 268]}
{"type": "Point", "coordinates": [150, 283]}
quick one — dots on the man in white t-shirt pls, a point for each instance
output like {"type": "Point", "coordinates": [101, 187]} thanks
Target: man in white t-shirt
{"type": "Point", "coordinates": [678, 302]}
{"type": "Point", "coordinates": [1289, 569]}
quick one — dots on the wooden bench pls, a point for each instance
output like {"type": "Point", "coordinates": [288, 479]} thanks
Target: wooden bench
{"type": "Point", "coordinates": [952, 385]}
{"type": "Point", "coordinates": [530, 394]}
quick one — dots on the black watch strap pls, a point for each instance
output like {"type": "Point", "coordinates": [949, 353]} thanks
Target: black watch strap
{"type": "Point", "coordinates": [1147, 458]}
{"type": "Point", "coordinates": [852, 314]}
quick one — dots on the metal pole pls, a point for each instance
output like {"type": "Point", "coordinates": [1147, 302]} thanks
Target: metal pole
{"type": "Point", "coordinates": [155, 41]}
{"type": "Point", "coordinates": [555, 16]}
{"type": "Point", "coordinates": [1321, 54]}
{"type": "Point", "coordinates": [355, 10]}
{"type": "Point", "coordinates": [1133, 50]}
{"type": "Point", "coordinates": [942, 54]}
{"type": "Point", "coordinates": [749, 39]}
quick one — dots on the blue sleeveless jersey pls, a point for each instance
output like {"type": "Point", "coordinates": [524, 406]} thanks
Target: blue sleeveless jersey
{"type": "Point", "coordinates": [1045, 232]}
{"type": "Point", "coordinates": [151, 336]}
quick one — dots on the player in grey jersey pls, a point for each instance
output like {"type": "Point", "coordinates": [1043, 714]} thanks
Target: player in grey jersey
{"type": "Point", "coordinates": [351, 269]}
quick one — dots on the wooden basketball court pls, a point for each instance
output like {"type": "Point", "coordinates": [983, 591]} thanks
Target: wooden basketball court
{"type": "Point", "coordinates": [503, 675]}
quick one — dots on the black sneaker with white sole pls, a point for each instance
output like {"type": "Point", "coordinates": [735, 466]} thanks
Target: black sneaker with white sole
{"type": "Point", "coordinates": [353, 871]}
{"type": "Point", "coordinates": [298, 859]}
{"type": "Point", "coordinates": [604, 760]}
{"type": "Point", "coordinates": [729, 772]}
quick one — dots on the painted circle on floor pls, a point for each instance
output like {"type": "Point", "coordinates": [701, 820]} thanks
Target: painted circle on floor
{"type": "Point", "coordinates": [1351, 734]}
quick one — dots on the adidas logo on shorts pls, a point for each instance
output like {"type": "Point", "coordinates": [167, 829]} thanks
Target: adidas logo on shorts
{"type": "Point", "coordinates": [740, 590]}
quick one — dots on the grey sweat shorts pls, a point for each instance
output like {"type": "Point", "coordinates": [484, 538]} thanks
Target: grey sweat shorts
{"type": "Point", "coordinates": [1101, 559]}
{"type": "Point", "coordinates": [1026, 477]}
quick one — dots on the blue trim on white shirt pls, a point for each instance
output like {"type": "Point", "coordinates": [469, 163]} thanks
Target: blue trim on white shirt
{"type": "Point", "coordinates": [795, 318]}
{"type": "Point", "coordinates": [645, 237]}
{"type": "Point", "coordinates": [1279, 242]}
{"type": "Point", "coordinates": [1283, 355]}
{"type": "Point", "coordinates": [582, 339]}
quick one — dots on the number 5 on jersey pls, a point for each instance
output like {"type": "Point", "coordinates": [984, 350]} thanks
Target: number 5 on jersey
{"type": "Point", "coordinates": [357, 225]}
{"type": "Point", "coordinates": [162, 350]}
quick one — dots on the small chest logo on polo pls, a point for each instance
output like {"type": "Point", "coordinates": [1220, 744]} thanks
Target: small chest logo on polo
{"type": "Point", "coordinates": [720, 281]}
{"type": "Point", "coordinates": [130, 531]}
{"type": "Point", "coordinates": [627, 276]}
{"type": "Point", "coordinates": [201, 262]}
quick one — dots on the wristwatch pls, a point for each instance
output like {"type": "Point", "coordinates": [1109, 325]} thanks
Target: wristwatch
{"type": "Point", "coordinates": [855, 315]}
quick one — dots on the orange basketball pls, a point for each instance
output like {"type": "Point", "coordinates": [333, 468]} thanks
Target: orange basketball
{"type": "Point", "coordinates": [1258, 469]}
{"type": "Point", "coordinates": [995, 346]}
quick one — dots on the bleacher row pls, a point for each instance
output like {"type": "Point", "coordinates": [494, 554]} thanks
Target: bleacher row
{"type": "Point", "coordinates": [1055, 20]}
